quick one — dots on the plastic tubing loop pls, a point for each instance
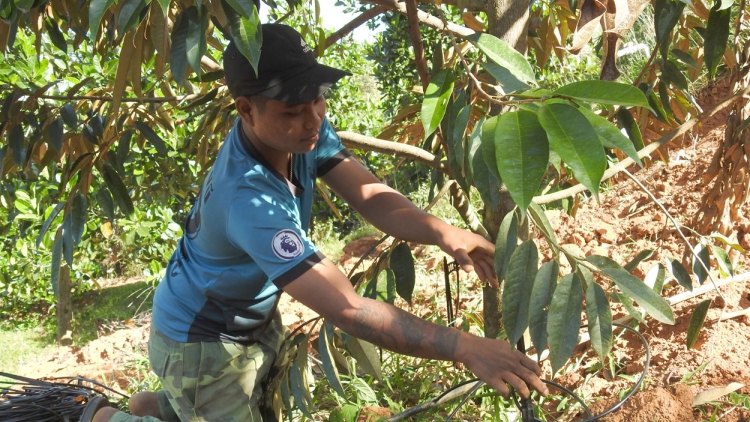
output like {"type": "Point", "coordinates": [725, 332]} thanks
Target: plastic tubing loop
{"type": "Point", "coordinates": [591, 417]}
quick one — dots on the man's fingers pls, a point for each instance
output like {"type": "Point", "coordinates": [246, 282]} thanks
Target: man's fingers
{"type": "Point", "coordinates": [530, 363]}
{"type": "Point", "coordinates": [518, 384]}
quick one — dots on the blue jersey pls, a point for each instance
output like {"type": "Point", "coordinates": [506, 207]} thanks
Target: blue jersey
{"type": "Point", "coordinates": [244, 240]}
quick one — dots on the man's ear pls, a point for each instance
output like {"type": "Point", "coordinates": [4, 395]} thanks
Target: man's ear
{"type": "Point", "coordinates": [246, 109]}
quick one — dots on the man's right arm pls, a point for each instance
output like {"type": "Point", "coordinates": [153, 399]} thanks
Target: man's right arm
{"type": "Point", "coordinates": [327, 291]}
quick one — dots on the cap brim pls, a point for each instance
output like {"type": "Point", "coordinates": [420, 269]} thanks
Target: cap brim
{"type": "Point", "coordinates": [305, 86]}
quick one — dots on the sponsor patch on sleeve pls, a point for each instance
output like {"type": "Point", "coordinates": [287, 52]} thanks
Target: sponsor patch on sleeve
{"type": "Point", "coordinates": [287, 244]}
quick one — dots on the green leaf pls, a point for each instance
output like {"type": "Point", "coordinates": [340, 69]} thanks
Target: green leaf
{"type": "Point", "coordinates": [196, 39]}
{"type": "Point", "coordinates": [152, 137]}
{"type": "Point", "coordinates": [345, 413]}
{"type": "Point", "coordinates": [545, 283]}
{"type": "Point", "coordinates": [519, 281]}
{"type": "Point", "coordinates": [522, 155]}
{"type": "Point", "coordinates": [402, 264]}
{"type": "Point", "coordinates": [722, 259]}
{"type": "Point", "coordinates": [55, 134]}
{"type": "Point", "coordinates": [701, 262]}
{"type": "Point", "coordinates": [564, 320]}
{"type": "Point", "coordinates": [436, 100]}
{"type": "Point", "coordinates": [473, 149]}
{"type": "Point", "coordinates": [68, 245]}
{"type": "Point", "coordinates": [504, 55]}
{"type": "Point", "coordinates": [104, 199]}
{"type": "Point", "coordinates": [542, 223]}
{"type": "Point", "coordinates": [55, 266]}
{"type": "Point", "coordinates": [52, 215]}
{"type": "Point", "coordinates": [642, 255]}
{"type": "Point", "coordinates": [680, 274]}
{"type": "Point", "coordinates": [96, 11]}
{"type": "Point", "coordinates": [382, 287]}
{"type": "Point", "coordinates": [246, 31]}
{"type": "Point", "coordinates": [604, 92]}
{"type": "Point", "coordinates": [300, 389]}
{"type": "Point", "coordinates": [717, 36]}
{"type": "Point", "coordinates": [610, 135]}
{"type": "Point", "coordinates": [325, 343]}
{"type": "Point", "coordinates": [488, 145]}
{"type": "Point", "coordinates": [627, 122]}
{"type": "Point", "coordinates": [118, 189]}
{"type": "Point", "coordinates": [68, 114]}
{"type": "Point", "coordinates": [366, 355]}
{"type": "Point", "coordinates": [505, 78]}
{"type": "Point", "coordinates": [78, 217]}
{"type": "Point", "coordinates": [505, 244]}
{"type": "Point", "coordinates": [673, 75]}
{"type": "Point", "coordinates": [696, 322]}
{"type": "Point", "coordinates": [178, 52]}
{"type": "Point", "coordinates": [242, 7]}
{"type": "Point", "coordinates": [666, 15]}
{"type": "Point", "coordinates": [24, 5]}
{"type": "Point", "coordinates": [628, 304]}
{"type": "Point", "coordinates": [570, 134]}
{"type": "Point", "coordinates": [600, 320]}
{"type": "Point", "coordinates": [17, 147]}
{"type": "Point", "coordinates": [129, 14]}
{"type": "Point", "coordinates": [655, 278]}
{"type": "Point", "coordinates": [685, 58]}
{"type": "Point", "coordinates": [56, 36]}
{"type": "Point", "coordinates": [733, 244]}
{"type": "Point", "coordinates": [164, 6]}
{"type": "Point", "coordinates": [654, 304]}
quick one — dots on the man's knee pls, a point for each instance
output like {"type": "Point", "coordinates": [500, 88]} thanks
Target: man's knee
{"type": "Point", "coordinates": [144, 403]}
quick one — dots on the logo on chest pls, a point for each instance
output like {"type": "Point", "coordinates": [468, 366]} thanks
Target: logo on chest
{"type": "Point", "coordinates": [287, 244]}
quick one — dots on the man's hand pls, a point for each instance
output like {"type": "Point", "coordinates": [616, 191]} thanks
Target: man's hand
{"type": "Point", "coordinates": [471, 251]}
{"type": "Point", "coordinates": [497, 363]}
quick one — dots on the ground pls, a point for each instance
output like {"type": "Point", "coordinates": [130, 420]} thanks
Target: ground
{"type": "Point", "coordinates": [624, 223]}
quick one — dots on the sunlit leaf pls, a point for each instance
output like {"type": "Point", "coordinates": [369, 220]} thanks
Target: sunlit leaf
{"type": "Point", "coordinates": [722, 259]}
{"type": "Point", "coordinates": [96, 11]}
{"type": "Point", "coordinates": [712, 394]}
{"type": "Point", "coordinates": [522, 153]}
{"type": "Point", "coordinates": [519, 281]}
{"type": "Point", "coordinates": [610, 135]}
{"type": "Point", "coordinates": [627, 122]}
{"type": "Point", "coordinates": [654, 304]}
{"type": "Point", "coordinates": [655, 278]}
{"type": "Point", "coordinates": [505, 78]}
{"type": "Point", "coordinates": [696, 322]}
{"type": "Point", "coordinates": [245, 30]}
{"type": "Point", "coordinates": [402, 264]}
{"type": "Point", "coordinates": [570, 134]}
{"type": "Point", "coordinates": [564, 320]}
{"type": "Point", "coordinates": [545, 283]}
{"type": "Point", "coordinates": [366, 355]}
{"type": "Point", "coordinates": [600, 320]}
{"type": "Point", "coordinates": [504, 55]}
{"type": "Point", "coordinates": [436, 100]}
{"type": "Point", "coordinates": [604, 92]}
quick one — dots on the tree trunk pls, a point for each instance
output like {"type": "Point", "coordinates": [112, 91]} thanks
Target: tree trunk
{"type": "Point", "coordinates": [64, 308]}
{"type": "Point", "coordinates": [509, 21]}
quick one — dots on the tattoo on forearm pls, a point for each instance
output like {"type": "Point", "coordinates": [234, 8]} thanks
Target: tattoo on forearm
{"type": "Point", "coordinates": [402, 332]}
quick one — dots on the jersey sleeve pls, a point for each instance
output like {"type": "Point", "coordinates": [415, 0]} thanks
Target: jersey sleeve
{"type": "Point", "coordinates": [330, 149]}
{"type": "Point", "coordinates": [264, 222]}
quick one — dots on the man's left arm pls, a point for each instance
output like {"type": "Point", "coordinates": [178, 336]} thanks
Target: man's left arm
{"type": "Point", "coordinates": [394, 214]}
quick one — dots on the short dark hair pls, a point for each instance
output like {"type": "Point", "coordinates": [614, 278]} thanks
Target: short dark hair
{"type": "Point", "coordinates": [260, 101]}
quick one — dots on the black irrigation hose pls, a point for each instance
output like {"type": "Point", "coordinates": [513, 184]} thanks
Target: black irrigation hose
{"type": "Point", "coordinates": [48, 401]}
{"type": "Point", "coordinates": [591, 417]}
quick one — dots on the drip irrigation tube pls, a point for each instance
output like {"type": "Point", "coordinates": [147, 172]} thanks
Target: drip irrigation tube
{"type": "Point", "coordinates": [527, 417]}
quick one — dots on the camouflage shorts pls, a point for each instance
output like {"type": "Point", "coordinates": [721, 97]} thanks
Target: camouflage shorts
{"type": "Point", "coordinates": [211, 381]}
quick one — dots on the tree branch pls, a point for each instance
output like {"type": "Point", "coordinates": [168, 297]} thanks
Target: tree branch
{"type": "Point", "coordinates": [426, 18]}
{"type": "Point", "coordinates": [176, 99]}
{"type": "Point", "coordinates": [367, 143]}
{"type": "Point", "coordinates": [668, 137]}
{"type": "Point", "coordinates": [354, 24]}
{"type": "Point", "coordinates": [416, 42]}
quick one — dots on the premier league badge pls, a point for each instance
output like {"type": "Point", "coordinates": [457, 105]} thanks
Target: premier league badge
{"type": "Point", "coordinates": [287, 244]}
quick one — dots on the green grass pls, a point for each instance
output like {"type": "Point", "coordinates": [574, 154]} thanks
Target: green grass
{"type": "Point", "coordinates": [19, 345]}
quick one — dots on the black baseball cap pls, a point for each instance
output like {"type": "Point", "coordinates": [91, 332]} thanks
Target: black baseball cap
{"type": "Point", "coordinates": [287, 69]}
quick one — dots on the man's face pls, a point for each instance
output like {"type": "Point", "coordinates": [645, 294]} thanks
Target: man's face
{"type": "Point", "coordinates": [288, 127]}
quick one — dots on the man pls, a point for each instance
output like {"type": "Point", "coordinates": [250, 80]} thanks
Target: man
{"type": "Point", "coordinates": [216, 330]}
